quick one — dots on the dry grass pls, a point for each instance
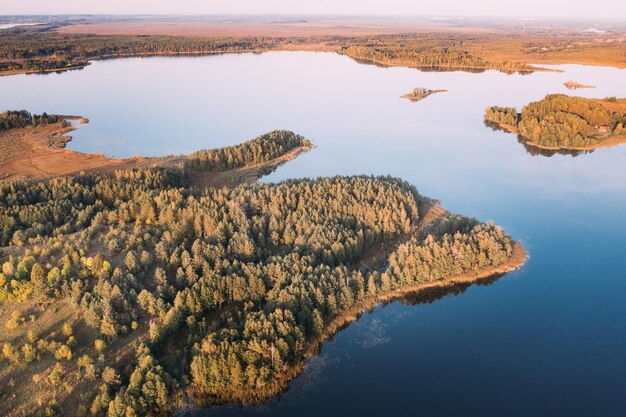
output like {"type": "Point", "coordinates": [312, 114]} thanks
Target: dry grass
{"type": "Point", "coordinates": [37, 152]}
{"type": "Point", "coordinates": [19, 393]}
{"type": "Point", "coordinates": [559, 48]}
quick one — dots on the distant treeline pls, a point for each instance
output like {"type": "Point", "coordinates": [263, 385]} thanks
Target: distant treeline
{"type": "Point", "coordinates": [436, 58]}
{"type": "Point", "coordinates": [261, 149]}
{"type": "Point", "coordinates": [45, 51]}
{"type": "Point", "coordinates": [38, 50]}
{"type": "Point", "coordinates": [562, 121]}
{"type": "Point", "coordinates": [21, 118]}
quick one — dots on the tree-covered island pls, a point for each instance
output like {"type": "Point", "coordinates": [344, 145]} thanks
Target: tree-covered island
{"type": "Point", "coordinates": [562, 122]}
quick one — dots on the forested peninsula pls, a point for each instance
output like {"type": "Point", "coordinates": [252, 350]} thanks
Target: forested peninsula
{"type": "Point", "coordinates": [134, 292]}
{"type": "Point", "coordinates": [563, 122]}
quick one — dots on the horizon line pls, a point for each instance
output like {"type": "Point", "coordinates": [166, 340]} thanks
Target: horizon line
{"type": "Point", "coordinates": [357, 15]}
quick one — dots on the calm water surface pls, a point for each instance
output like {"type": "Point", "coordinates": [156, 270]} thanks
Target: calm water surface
{"type": "Point", "coordinates": [548, 340]}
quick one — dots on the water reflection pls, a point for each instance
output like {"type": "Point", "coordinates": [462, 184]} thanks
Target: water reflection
{"type": "Point", "coordinates": [534, 150]}
{"type": "Point", "coordinates": [430, 295]}
{"type": "Point", "coordinates": [427, 68]}
{"type": "Point", "coordinates": [368, 333]}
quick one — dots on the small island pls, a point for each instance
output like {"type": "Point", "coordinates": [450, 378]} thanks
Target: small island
{"type": "Point", "coordinates": [561, 122]}
{"type": "Point", "coordinates": [139, 290]}
{"type": "Point", "coordinates": [573, 85]}
{"type": "Point", "coordinates": [419, 93]}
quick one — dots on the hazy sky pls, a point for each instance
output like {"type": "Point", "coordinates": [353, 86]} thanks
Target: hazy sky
{"type": "Point", "coordinates": [530, 8]}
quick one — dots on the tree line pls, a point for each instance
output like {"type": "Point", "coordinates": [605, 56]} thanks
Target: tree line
{"type": "Point", "coordinates": [261, 149]}
{"type": "Point", "coordinates": [35, 50]}
{"type": "Point", "coordinates": [441, 58]}
{"type": "Point", "coordinates": [12, 119]}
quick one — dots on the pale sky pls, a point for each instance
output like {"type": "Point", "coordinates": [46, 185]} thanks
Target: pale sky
{"type": "Point", "coordinates": [520, 8]}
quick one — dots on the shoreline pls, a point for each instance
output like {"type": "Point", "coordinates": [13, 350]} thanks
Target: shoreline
{"type": "Point", "coordinates": [444, 68]}
{"type": "Point", "coordinates": [39, 152]}
{"type": "Point", "coordinates": [415, 97]}
{"type": "Point", "coordinates": [610, 142]}
{"type": "Point", "coordinates": [607, 143]}
{"type": "Point", "coordinates": [518, 258]}
{"type": "Point", "coordinates": [298, 48]}
{"type": "Point", "coordinates": [243, 175]}
{"type": "Point", "coordinates": [314, 47]}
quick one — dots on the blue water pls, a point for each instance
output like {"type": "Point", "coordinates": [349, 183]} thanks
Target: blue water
{"type": "Point", "coordinates": [547, 340]}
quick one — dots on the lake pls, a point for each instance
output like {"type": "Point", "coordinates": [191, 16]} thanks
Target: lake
{"type": "Point", "coordinates": [547, 340]}
{"type": "Point", "coordinates": [14, 25]}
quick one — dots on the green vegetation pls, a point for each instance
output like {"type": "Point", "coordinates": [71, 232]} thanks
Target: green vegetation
{"type": "Point", "coordinates": [560, 121]}
{"type": "Point", "coordinates": [220, 293]}
{"type": "Point", "coordinates": [502, 115]}
{"type": "Point", "coordinates": [21, 118]}
{"type": "Point", "coordinates": [261, 149]}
